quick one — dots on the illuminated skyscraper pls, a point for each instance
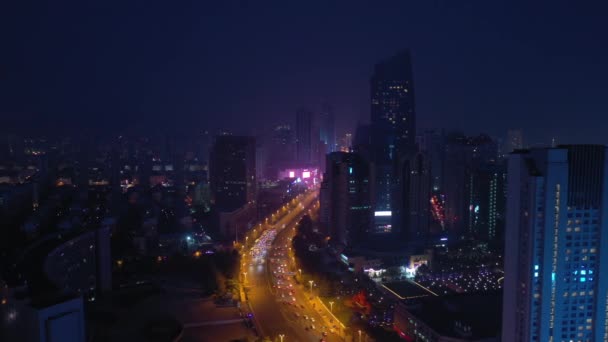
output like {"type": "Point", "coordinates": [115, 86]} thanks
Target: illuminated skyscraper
{"type": "Point", "coordinates": [393, 132]}
{"type": "Point", "coordinates": [556, 253]}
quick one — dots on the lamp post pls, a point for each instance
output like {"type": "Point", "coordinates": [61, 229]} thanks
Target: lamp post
{"type": "Point", "coordinates": [300, 271]}
{"type": "Point", "coordinates": [311, 282]}
{"type": "Point", "coordinates": [281, 336]}
{"type": "Point", "coordinates": [331, 307]}
{"type": "Point", "coordinates": [359, 335]}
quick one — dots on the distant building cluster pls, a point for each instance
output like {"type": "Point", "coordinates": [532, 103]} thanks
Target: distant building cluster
{"type": "Point", "coordinates": [417, 187]}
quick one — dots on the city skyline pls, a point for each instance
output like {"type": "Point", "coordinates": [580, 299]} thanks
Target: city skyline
{"type": "Point", "coordinates": [312, 172]}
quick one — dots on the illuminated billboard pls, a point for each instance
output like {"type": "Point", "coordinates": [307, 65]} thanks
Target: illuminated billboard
{"type": "Point", "coordinates": [308, 174]}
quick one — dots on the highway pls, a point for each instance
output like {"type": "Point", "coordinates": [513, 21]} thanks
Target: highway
{"type": "Point", "coordinates": [279, 305]}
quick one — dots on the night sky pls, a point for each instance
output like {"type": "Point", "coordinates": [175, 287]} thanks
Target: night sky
{"type": "Point", "coordinates": [245, 65]}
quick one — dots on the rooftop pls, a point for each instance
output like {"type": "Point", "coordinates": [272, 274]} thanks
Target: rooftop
{"type": "Point", "coordinates": [407, 290]}
{"type": "Point", "coordinates": [482, 312]}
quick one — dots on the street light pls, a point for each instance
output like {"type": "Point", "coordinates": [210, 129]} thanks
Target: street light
{"type": "Point", "coordinates": [311, 282]}
{"type": "Point", "coordinates": [300, 271]}
{"type": "Point", "coordinates": [359, 335]}
{"type": "Point", "coordinates": [281, 337]}
{"type": "Point", "coordinates": [331, 307]}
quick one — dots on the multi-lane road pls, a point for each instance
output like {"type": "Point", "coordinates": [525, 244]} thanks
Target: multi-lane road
{"type": "Point", "coordinates": [280, 306]}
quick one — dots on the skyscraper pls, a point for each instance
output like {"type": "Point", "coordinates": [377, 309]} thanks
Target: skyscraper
{"type": "Point", "coordinates": [327, 130]}
{"type": "Point", "coordinates": [346, 197]}
{"type": "Point", "coordinates": [433, 144]}
{"type": "Point", "coordinates": [464, 158]}
{"type": "Point", "coordinates": [417, 190]}
{"type": "Point", "coordinates": [304, 136]}
{"type": "Point", "coordinates": [486, 202]}
{"type": "Point", "coordinates": [279, 151]}
{"type": "Point", "coordinates": [233, 172]}
{"type": "Point", "coordinates": [393, 131]}
{"type": "Point", "coordinates": [515, 140]}
{"type": "Point", "coordinates": [556, 255]}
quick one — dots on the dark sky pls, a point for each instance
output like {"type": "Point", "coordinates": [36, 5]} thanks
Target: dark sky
{"type": "Point", "coordinates": [179, 65]}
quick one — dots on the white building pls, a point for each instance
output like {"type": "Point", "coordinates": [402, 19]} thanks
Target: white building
{"type": "Point", "coordinates": [556, 271]}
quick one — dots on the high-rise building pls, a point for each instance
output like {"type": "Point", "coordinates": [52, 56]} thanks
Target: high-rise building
{"type": "Point", "coordinates": [393, 131]}
{"type": "Point", "coordinates": [433, 145]}
{"type": "Point", "coordinates": [282, 141]}
{"type": "Point", "coordinates": [455, 180]}
{"type": "Point", "coordinates": [327, 130]}
{"type": "Point", "coordinates": [346, 197]}
{"type": "Point", "coordinates": [417, 196]}
{"type": "Point", "coordinates": [304, 136]}
{"type": "Point", "coordinates": [464, 156]}
{"type": "Point", "coordinates": [556, 254]}
{"type": "Point", "coordinates": [486, 202]}
{"type": "Point", "coordinates": [278, 151]}
{"type": "Point", "coordinates": [515, 140]}
{"type": "Point", "coordinates": [393, 115]}
{"type": "Point", "coordinates": [233, 172]}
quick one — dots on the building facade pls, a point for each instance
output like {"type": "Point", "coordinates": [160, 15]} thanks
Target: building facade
{"type": "Point", "coordinates": [327, 129]}
{"type": "Point", "coordinates": [233, 172]}
{"type": "Point", "coordinates": [555, 251]}
{"type": "Point", "coordinates": [487, 202]}
{"type": "Point", "coordinates": [393, 132]}
{"type": "Point", "coordinates": [304, 136]}
{"type": "Point", "coordinates": [417, 196]}
{"type": "Point", "coordinates": [346, 195]}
